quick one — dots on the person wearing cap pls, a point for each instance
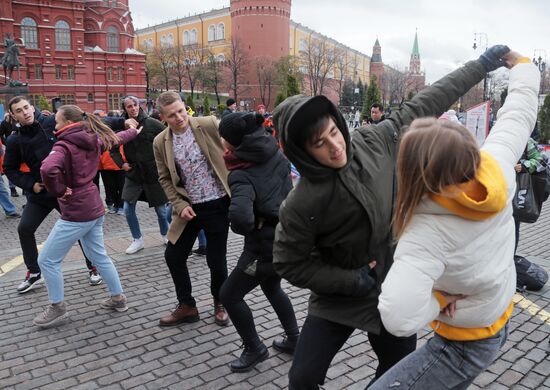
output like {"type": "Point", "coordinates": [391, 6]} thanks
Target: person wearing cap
{"type": "Point", "coordinates": [191, 170]}
{"type": "Point", "coordinates": [231, 107]}
{"type": "Point", "coordinates": [259, 179]}
{"type": "Point", "coordinates": [141, 182]}
{"type": "Point", "coordinates": [334, 233]}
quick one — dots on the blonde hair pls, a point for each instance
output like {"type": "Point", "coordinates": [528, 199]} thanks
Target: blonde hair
{"type": "Point", "coordinates": [75, 114]}
{"type": "Point", "coordinates": [167, 98]}
{"type": "Point", "coordinates": [433, 155]}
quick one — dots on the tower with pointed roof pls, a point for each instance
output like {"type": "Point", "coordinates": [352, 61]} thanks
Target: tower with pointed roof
{"type": "Point", "coordinates": [416, 79]}
{"type": "Point", "coordinates": [376, 64]}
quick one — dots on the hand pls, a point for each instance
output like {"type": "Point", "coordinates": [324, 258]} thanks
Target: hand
{"type": "Point", "coordinates": [511, 59]}
{"type": "Point", "coordinates": [131, 124]}
{"type": "Point", "coordinates": [493, 57]}
{"type": "Point", "coordinates": [366, 279]}
{"type": "Point", "coordinates": [138, 130]}
{"type": "Point", "coordinates": [126, 167]}
{"type": "Point", "coordinates": [188, 213]}
{"type": "Point", "coordinates": [46, 112]}
{"type": "Point", "coordinates": [37, 187]}
{"type": "Point", "coordinates": [67, 194]}
{"type": "Point", "coordinates": [451, 299]}
{"type": "Point", "coordinates": [518, 168]}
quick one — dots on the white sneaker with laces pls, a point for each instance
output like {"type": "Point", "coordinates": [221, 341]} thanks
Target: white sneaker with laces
{"type": "Point", "coordinates": [135, 246]}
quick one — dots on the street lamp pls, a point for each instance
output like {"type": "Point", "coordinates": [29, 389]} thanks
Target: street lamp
{"type": "Point", "coordinates": [482, 40]}
{"type": "Point", "coordinates": [541, 64]}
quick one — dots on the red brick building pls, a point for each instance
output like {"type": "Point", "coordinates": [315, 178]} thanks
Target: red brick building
{"type": "Point", "coordinates": [80, 51]}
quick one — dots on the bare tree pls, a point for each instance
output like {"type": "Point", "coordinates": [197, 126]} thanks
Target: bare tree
{"type": "Point", "coordinates": [237, 62]}
{"type": "Point", "coordinates": [267, 76]}
{"type": "Point", "coordinates": [341, 65]}
{"type": "Point", "coordinates": [212, 74]}
{"type": "Point", "coordinates": [179, 66]}
{"type": "Point", "coordinates": [163, 58]}
{"type": "Point", "coordinates": [318, 59]}
{"type": "Point", "coordinates": [396, 84]}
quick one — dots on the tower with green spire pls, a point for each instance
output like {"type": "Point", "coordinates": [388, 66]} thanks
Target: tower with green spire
{"type": "Point", "coordinates": [416, 79]}
{"type": "Point", "coordinates": [414, 65]}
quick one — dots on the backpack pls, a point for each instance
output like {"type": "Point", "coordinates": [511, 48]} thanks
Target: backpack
{"type": "Point", "coordinates": [530, 276]}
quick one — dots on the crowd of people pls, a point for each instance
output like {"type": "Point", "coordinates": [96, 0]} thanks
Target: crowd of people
{"type": "Point", "coordinates": [407, 222]}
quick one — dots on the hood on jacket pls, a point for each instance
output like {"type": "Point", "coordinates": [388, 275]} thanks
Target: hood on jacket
{"type": "Point", "coordinates": [79, 135]}
{"type": "Point", "coordinates": [257, 147]}
{"type": "Point", "coordinates": [292, 116]}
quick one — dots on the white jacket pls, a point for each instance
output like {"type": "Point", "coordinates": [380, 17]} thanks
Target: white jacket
{"type": "Point", "coordinates": [442, 251]}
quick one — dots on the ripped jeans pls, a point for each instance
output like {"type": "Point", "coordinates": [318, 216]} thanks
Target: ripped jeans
{"type": "Point", "coordinates": [443, 364]}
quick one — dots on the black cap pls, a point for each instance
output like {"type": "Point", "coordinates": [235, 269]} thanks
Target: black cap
{"type": "Point", "coordinates": [233, 127]}
{"type": "Point", "coordinates": [230, 102]}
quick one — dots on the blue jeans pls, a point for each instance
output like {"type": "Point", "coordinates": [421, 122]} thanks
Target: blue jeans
{"type": "Point", "coordinates": [443, 364]}
{"type": "Point", "coordinates": [133, 223]}
{"type": "Point", "coordinates": [201, 236]}
{"type": "Point", "coordinates": [60, 240]}
{"type": "Point", "coordinates": [5, 201]}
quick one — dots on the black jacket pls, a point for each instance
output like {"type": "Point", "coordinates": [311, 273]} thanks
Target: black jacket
{"type": "Point", "coordinates": [257, 193]}
{"type": "Point", "coordinates": [336, 221]}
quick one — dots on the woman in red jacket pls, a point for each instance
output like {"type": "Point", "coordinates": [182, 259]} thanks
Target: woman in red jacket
{"type": "Point", "coordinates": [68, 172]}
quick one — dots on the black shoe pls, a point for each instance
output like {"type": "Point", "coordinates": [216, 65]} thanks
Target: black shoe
{"type": "Point", "coordinates": [286, 344]}
{"type": "Point", "coordinates": [201, 250]}
{"type": "Point", "coordinates": [14, 193]}
{"type": "Point", "coordinates": [249, 358]}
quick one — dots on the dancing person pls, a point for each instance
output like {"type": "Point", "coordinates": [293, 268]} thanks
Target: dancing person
{"type": "Point", "coordinates": [25, 150]}
{"type": "Point", "coordinates": [141, 181]}
{"type": "Point", "coordinates": [334, 234]}
{"type": "Point", "coordinates": [68, 174]}
{"type": "Point", "coordinates": [454, 262]}
{"type": "Point", "coordinates": [191, 170]}
{"type": "Point", "coordinates": [259, 179]}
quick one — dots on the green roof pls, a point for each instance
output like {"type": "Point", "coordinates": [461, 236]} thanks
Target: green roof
{"type": "Point", "coordinates": [415, 45]}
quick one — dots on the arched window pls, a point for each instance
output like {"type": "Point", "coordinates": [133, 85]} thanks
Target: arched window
{"type": "Point", "coordinates": [112, 39]}
{"type": "Point", "coordinates": [28, 33]}
{"type": "Point", "coordinates": [186, 38]}
{"type": "Point", "coordinates": [193, 37]}
{"type": "Point", "coordinates": [211, 33]}
{"type": "Point", "coordinates": [220, 34]}
{"type": "Point", "coordinates": [220, 58]}
{"type": "Point", "coordinates": [163, 41]}
{"type": "Point", "coordinates": [171, 40]}
{"type": "Point", "coordinates": [62, 35]}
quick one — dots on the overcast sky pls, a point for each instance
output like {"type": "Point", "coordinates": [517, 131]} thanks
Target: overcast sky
{"type": "Point", "coordinates": [445, 28]}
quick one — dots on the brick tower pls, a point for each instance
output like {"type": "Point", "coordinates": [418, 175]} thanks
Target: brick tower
{"type": "Point", "coordinates": [260, 29]}
{"type": "Point", "coordinates": [376, 64]}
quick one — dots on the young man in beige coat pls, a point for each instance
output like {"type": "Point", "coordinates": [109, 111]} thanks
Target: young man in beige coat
{"type": "Point", "coordinates": [189, 158]}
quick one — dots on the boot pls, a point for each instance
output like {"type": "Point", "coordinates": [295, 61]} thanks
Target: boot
{"type": "Point", "coordinates": [286, 344]}
{"type": "Point", "coordinates": [249, 358]}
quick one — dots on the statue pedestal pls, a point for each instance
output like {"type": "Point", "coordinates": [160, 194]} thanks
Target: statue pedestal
{"type": "Point", "coordinates": [6, 93]}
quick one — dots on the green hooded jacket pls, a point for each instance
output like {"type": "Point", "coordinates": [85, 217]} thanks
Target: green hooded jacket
{"type": "Point", "coordinates": [335, 221]}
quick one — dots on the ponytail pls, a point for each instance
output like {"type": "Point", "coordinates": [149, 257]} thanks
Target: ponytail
{"type": "Point", "coordinates": [75, 114]}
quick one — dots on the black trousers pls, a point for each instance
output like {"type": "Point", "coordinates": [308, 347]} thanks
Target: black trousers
{"type": "Point", "coordinates": [237, 286]}
{"type": "Point", "coordinates": [114, 183]}
{"type": "Point", "coordinates": [34, 213]}
{"type": "Point", "coordinates": [212, 218]}
{"type": "Point", "coordinates": [321, 339]}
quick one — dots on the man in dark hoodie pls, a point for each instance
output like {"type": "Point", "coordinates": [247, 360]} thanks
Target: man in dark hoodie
{"type": "Point", "coordinates": [141, 173]}
{"type": "Point", "coordinates": [30, 145]}
{"type": "Point", "coordinates": [259, 179]}
{"type": "Point", "coordinates": [334, 235]}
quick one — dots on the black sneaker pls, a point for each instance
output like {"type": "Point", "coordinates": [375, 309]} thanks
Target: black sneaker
{"type": "Point", "coordinates": [29, 283]}
{"type": "Point", "coordinates": [14, 215]}
{"type": "Point", "coordinates": [286, 344]}
{"type": "Point", "coordinates": [249, 358]}
{"type": "Point", "coordinates": [201, 251]}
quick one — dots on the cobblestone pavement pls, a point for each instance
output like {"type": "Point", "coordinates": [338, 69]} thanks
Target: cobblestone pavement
{"type": "Point", "coordinates": [99, 349]}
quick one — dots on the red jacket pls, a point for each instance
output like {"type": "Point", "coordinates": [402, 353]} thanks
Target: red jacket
{"type": "Point", "coordinates": [73, 164]}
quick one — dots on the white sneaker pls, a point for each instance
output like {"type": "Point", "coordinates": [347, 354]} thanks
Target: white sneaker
{"type": "Point", "coordinates": [135, 246]}
{"type": "Point", "coordinates": [164, 239]}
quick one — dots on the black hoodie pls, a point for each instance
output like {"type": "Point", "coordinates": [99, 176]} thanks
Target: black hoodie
{"type": "Point", "coordinates": [257, 192]}
{"type": "Point", "coordinates": [338, 220]}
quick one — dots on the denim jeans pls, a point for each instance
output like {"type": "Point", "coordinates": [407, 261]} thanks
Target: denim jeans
{"type": "Point", "coordinates": [133, 223]}
{"type": "Point", "coordinates": [443, 364]}
{"type": "Point", "coordinates": [60, 240]}
{"type": "Point", "coordinates": [5, 201]}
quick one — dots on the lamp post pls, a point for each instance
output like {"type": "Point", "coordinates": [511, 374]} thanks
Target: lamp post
{"type": "Point", "coordinates": [540, 62]}
{"type": "Point", "coordinates": [484, 43]}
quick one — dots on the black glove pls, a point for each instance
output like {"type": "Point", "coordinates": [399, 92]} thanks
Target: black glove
{"type": "Point", "coordinates": [366, 281]}
{"type": "Point", "coordinates": [492, 58]}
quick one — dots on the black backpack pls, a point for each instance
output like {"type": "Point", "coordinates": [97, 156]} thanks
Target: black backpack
{"type": "Point", "coordinates": [530, 276]}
